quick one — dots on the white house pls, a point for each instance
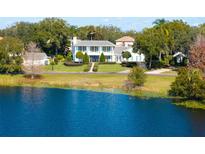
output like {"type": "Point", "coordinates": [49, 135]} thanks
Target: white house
{"type": "Point", "coordinates": [35, 59]}
{"type": "Point", "coordinates": [125, 44]}
{"type": "Point", "coordinates": [179, 57]}
{"type": "Point", "coordinates": [112, 52]}
{"type": "Point", "coordinates": [93, 48]}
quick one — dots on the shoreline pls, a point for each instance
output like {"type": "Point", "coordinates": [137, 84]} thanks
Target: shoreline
{"type": "Point", "coordinates": [155, 86]}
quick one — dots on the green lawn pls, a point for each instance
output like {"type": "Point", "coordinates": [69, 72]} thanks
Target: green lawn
{"type": "Point", "coordinates": [62, 68]}
{"type": "Point", "coordinates": [111, 68]}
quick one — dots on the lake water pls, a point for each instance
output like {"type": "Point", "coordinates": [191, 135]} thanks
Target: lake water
{"type": "Point", "coordinates": [58, 112]}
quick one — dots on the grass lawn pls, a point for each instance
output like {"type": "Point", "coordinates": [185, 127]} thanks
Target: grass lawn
{"type": "Point", "coordinates": [155, 86]}
{"type": "Point", "coordinates": [111, 68]}
{"type": "Point", "coordinates": [62, 68]}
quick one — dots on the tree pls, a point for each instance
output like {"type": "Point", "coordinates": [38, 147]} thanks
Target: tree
{"type": "Point", "coordinates": [159, 21]}
{"type": "Point", "coordinates": [85, 58]}
{"type": "Point", "coordinates": [137, 76]}
{"type": "Point", "coordinates": [102, 58]}
{"type": "Point", "coordinates": [149, 44]}
{"type": "Point", "coordinates": [163, 39]}
{"type": "Point", "coordinates": [80, 55]}
{"type": "Point", "coordinates": [126, 55]}
{"type": "Point", "coordinates": [197, 54]}
{"type": "Point", "coordinates": [21, 30]}
{"type": "Point", "coordinates": [33, 68]}
{"type": "Point", "coordinates": [188, 84]}
{"type": "Point", "coordinates": [52, 35]}
{"type": "Point", "coordinates": [69, 57]}
{"type": "Point", "coordinates": [11, 55]}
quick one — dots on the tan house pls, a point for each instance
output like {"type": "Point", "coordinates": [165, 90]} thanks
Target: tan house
{"type": "Point", "coordinates": [125, 41]}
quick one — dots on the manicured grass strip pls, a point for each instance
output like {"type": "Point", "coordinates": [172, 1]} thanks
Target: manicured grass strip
{"type": "Point", "coordinates": [62, 68]}
{"type": "Point", "coordinates": [155, 86]}
{"type": "Point", "coordinates": [111, 68]}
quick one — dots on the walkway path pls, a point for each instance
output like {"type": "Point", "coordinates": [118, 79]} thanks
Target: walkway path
{"type": "Point", "coordinates": [92, 66]}
{"type": "Point", "coordinates": [158, 71]}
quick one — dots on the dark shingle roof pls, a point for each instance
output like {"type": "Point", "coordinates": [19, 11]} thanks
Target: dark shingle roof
{"type": "Point", "coordinates": [94, 43]}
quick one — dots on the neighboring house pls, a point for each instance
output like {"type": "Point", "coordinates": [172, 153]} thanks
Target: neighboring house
{"type": "Point", "coordinates": [179, 57]}
{"type": "Point", "coordinates": [35, 59]}
{"type": "Point", "coordinates": [93, 48]}
{"type": "Point", "coordinates": [125, 41]}
{"type": "Point", "coordinates": [125, 44]}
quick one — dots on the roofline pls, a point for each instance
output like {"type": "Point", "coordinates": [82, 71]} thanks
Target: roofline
{"type": "Point", "coordinates": [95, 45]}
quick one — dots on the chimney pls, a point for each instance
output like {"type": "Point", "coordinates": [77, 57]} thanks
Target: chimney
{"type": "Point", "coordinates": [74, 40]}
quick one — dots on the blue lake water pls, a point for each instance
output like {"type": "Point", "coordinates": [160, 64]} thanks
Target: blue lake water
{"type": "Point", "coordinates": [58, 112]}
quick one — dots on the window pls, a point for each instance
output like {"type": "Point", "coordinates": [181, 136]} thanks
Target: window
{"type": "Point", "coordinates": [106, 49]}
{"type": "Point", "coordinates": [79, 48]}
{"type": "Point", "coordinates": [82, 48]}
{"type": "Point", "coordinates": [94, 49]}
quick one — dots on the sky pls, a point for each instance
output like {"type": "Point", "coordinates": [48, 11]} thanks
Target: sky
{"type": "Point", "coordinates": [125, 23]}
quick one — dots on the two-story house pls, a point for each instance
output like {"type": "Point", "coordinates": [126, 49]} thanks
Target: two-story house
{"type": "Point", "coordinates": [93, 48]}
{"type": "Point", "coordinates": [124, 44]}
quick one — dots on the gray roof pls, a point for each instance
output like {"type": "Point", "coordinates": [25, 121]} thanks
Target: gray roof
{"type": "Point", "coordinates": [35, 56]}
{"type": "Point", "coordinates": [119, 49]}
{"type": "Point", "coordinates": [94, 43]}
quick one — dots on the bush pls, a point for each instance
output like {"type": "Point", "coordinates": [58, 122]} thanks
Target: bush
{"type": "Point", "coordinates": [56, 60]}
{"type": "Point", "coordinates": [69, 57]}
{"type": "Point", "coordinates": [137, 76]}
{"type": "Point", "coordinates": [10, 68]}
{"type": "Point", "coordinates": [102, 58]}
{"type": "Point", "coordinates": [79, 55]}
{"type": "Point", "coordinates": [60, 58]}
{"type": "Point", "coordinates": [67, 63]}
{"type": "Point", "coordinates": [34, 76]}
{"type": "Point", "coordinates": [85, 58]}
{"type": "Point", "coordinates": [87, 67]}
{"type": "Point", "coordinates": [188, 84]}
{"type": "Point", "coordinates": [95, 68]}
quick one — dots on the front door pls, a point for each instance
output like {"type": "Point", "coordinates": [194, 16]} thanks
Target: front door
{"type": "Point", "coordinates": [94, 58]}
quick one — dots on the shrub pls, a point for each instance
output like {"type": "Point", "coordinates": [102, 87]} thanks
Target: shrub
{"type": "Point", "coordinates": [67, 63]}
{"type": "Point", "coordinates": [137, 76]}
{"type": "Point", "coordinates": [87, 68]}
{"type": "Point", "coordinates": [69, 57]}
{"type": "Point", "coordinates": [95, 68]}
{"type": "Point", "coordinates": [126, 55]}
{"type": "Point", "coordinates": [60, 58]}
{"type": "Point", "coordinates": [85, 58]}
{"type": "Point", "coordinates": [56, 60]}
{"type": "Point", "coordinates": [79, 55]}
{"type": "Point", "coordinates": [188, 84]}
{"type": "Point", "coordinates": [34, 76]}
{"type": "Point", "coordinates": [102, 58]}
